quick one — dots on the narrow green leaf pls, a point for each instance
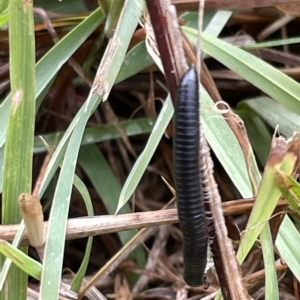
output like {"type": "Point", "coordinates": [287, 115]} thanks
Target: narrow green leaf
{"type": "Point", "coordinates": [1, 169]}
{"type": "Point", "coordinates": [98, 134]}
{"type": "Point", "coordinates": [21, 260]}
{"type": "Point", "coordinates": [271, 285]}
{"type": "Point", "coordinates": [77, 281]}
{"type": "Point", "coordinates": [113, 15]}
{"type": "Point", "coordinates": [136, 60]}
{"type": "Point", "coordinates": [217, 23]}
{"type": "Point", "coordinates": [258, 133]}
{"type": "Point", "coordinates": [106, 184]}
{"type": "Point", "coordinates": [17, 172]}
{"type": "Point", "coordinates": [225, 145]}
{"type": "Point", "coordinates": [55, 240]}
{"type": "Point", "coordinates": [49, 65]}
{"type": "Point", "coordinates": [275, 114]}
{"type": "Point", "coordinates": [142, 162]}
{"type": "Point", "coordinates": [288, 245]}
{"type": "Point", "coordinates": [290, 189]}
{"type": "Point", "coordinates": [283, 157]}
{"type": "Point", "coordinates": [269, 44]}
{"type": "Point", "coordinates": [110, 66]}
{"type": "Point", "coordinates": [267, 78]}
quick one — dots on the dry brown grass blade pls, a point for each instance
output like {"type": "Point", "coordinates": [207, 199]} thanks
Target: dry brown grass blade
{"type": "Point", "coordinates": [155, 255]}
{"type": "Point", "coordinates": [123, 253]}
{"type": "Point", "coordinates": [92, 226]}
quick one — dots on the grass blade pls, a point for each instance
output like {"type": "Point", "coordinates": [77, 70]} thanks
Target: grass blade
{"type": "Point", "coordinates": [288, 245]}
{"type": "Point", "coordinates": [283, 156]}
{"type": "Point", "coordinates": [108, 188]}
{"type": "Point", "coordinates": [277, 85]}
{"type": "Point", "coordinates": [271, 285]}
{"type": "Point", "coordinates": [21, 260]}
{"type": "Point", "coordinates": [275, 114]}
{"type": "Point", "coordinates": [17, 172]}
{"type": "Point", "coordinates": [98, 134]}
{"type": "Point", "coordinates": [108, 70]}
{"type": "Point", "coordinates": [49, 65]}
{"type": "Point", "coordinates": [77, 281]}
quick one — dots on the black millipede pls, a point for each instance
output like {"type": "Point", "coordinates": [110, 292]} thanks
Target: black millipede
{"type": "Point", "coordinates": [192, 216]}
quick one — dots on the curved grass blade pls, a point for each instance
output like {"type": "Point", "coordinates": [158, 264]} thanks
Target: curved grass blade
{"type": "Point", "coordinates": [77, 281]}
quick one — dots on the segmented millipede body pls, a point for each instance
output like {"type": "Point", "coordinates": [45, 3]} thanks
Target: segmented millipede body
{"type": "Point", "coordinates": [192, 217]}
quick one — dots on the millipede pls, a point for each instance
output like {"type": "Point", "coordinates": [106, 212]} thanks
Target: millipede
{"type": "Point", "coordinates": [191, 212]}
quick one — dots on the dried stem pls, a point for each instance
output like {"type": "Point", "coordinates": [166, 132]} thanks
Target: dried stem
{"type": "Point", "coordinates": [92, 226]}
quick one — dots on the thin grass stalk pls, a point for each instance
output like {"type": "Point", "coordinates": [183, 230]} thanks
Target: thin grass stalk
{"type": "Point", "coordinates": [19, 141]}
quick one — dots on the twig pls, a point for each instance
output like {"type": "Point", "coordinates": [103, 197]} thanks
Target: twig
{"type": "Point", "coordinates": [92, 226]}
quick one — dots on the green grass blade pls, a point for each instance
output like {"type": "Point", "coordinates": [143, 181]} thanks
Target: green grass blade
{"type": "Point", "coordinates": [77, 281]}
{"type": "Point", "coordinates": [271, 284]}
{"type": "Point", "coordinates": [269, 44]}
{"type": "Point", "coordinates": [19, 144]}
{"type": "Point", "coordinates": [275, 114]}
{"type": "Point", "coordinates": [282, 157]}
{"type": "Point", "coordinates": [21, 260]}
{"type": "Point", "coordinates": [106, 184]}
{"type": "Point", "coordinates": [225, 145]}
{"type": "Point", "coordinates": [258, 133]}
{"type": "Point", "coordinates": [113, 15]}
{"type": "Point", "coordinates": [116, 50]}
{"type": "Point", "coordinates": [217, 22]}
{"type": "Point", "coordinates": [99, 134]}
{"type": "Point", "coordinates": [136, 60]}
{"type": "Point", "coordinates": [1, 169]}
{"type": "Point", "coordinates": [55, 239]}
{"type": "Point", "coordinates": [108, 188]}
{"type": "Point", "coordinates": [110, 66]}
{"type": "Point", "coordinates": [267, 78]}
{"type": "Point", "coordinates": [142, 162]}
{"type": "Point", "coordinates": [49, 65]}
{"type": "Point", "coordinates": [288, 245]}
